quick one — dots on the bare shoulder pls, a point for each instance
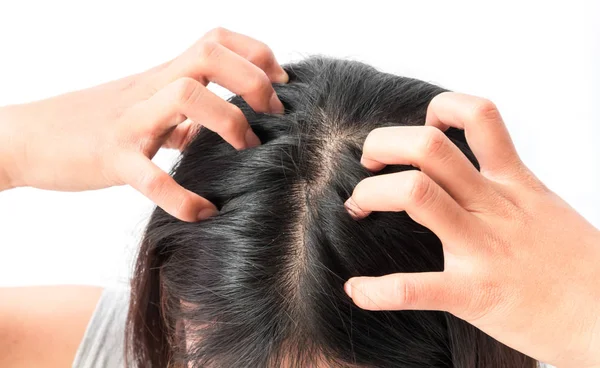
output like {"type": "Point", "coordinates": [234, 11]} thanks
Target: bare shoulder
{"type": "Point", "coordinates": [42, 326]}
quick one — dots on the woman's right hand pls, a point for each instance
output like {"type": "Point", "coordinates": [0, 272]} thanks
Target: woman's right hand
{"type": "Point", "coordinates": [107, 135]}
{"type": "Point", "coordinates": [520, 263]}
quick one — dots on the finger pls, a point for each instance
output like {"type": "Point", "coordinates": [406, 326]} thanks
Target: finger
{"type": "Point", "coordinates": [187, 97]}
{"type": "Point", "coordinates": [250, 49]}
{"type": "Point", "coordinates": [428, 149]}
{"type": "Point", "coordinates": [407, 291]}
{"type": "Point", "coordinates": [143, 175]}
{"type": "Point", "coordinates": [182, 135]}
{"type": "Point", "coordinates": [485, 131]}
{"type": "Point", "coordinates": [414, 192]}
{"type": "Point", "coordinates": [220, 65]}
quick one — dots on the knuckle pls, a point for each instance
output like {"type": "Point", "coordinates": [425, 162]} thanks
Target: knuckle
{"type": "Point", "coordinates": [152, 185]}
{"type": "Point", "coordinates": [421, 189]}
{"type": "Point", "coordinates": [404, 293]}
{"type": "Point", "coordinates": [218, 34]}
{"type": "Point", "coordinates": [232, 121]}
{"type": "Point", "coordinates": [529, 180]}
{"type": "Point", "coordinates": [259, 84]}
{"type": "Point", "coordinates": [209, 49]}
{"type": "Point", "coordinates": [485, 109]}
{"type": "Point", "coordinates": [536, 185]}
{"type": "Point", "coordinates": [261, 56]}
{"type": "Point", "coordinates": [131, 84]}
{"type": "Point", "coordinates": [433, 142]}
{"type": "Point", "coordinates": [227, 125]}
{"type": "Point", "coordinates": [186, 91]}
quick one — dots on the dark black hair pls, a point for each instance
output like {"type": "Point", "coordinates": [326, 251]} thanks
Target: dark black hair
{"type": "Point", "coordinates": [261, 283]}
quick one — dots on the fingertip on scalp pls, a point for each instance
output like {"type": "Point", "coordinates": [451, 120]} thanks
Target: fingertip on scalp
{"type": "Point", "coordinates": [441, 96]}
{"type": "Point", "coordinates": [348, 288]}
{"type": "Point", "coordinates": [204, 209]}
{"type": "Point", "coordinates": [371, 165]}
{"type": "Point", "coordinates": [283, 77]}
{"type": "Point", "coordinates": [354, 288]}
{"type": "Point", "coordinates": [251, 138]}
{"type": "Point", "coordinates": [431, 118]}
{"type": "Point", "coordinates": [354, 209]}
{"type": "Point", "coordinates": [207, 213]}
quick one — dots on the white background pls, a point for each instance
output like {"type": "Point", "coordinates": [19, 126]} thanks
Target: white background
{"type": "Point", "coordinates": [537, 61]}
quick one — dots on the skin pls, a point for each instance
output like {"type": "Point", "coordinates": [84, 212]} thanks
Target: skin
{"type": "Point", "coordinates": [43, 326]}
{"type": "Point", "coordinates": [520, 263]}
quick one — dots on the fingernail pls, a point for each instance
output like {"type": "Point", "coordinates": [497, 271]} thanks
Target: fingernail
{"type": "Point", "coordinates": [371, 165]}
{"type": "Point", "coordinates": [206, 213]}
{"type": "Point", "coordinates": [348, 288]}
{"type": "Point", "coordinates": [356, 212]}
{"type": "Point", "coordinates": [364, 162]}
{"type": "Point", "coordinates": [284, 78]}
{"type": "Point", "coordinates": [251, 139]}
{"type": "Point", "coordinates": [275, 105]}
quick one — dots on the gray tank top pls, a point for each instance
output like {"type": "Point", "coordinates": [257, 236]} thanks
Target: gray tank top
{"type": "Point", "coordinates": [104, 338]}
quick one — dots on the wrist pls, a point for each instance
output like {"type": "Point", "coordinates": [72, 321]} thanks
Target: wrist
{"type": "Point", "coordinates": [8, 178]}
{"type": "Point", "coordinates": [5, 181]}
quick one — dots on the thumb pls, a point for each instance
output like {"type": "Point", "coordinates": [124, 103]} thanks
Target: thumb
{"type": "Point", "coordinates": [142, 174]}
{"type": "Point", "coordinates": [402, 291]}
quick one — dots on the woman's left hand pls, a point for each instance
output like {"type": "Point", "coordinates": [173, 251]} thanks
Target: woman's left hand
{"type": "Point", "coordinates": [106, 135]}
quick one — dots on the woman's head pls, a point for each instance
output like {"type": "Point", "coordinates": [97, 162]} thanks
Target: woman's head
{"type": "Point", "coordinates": [261, 283]}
